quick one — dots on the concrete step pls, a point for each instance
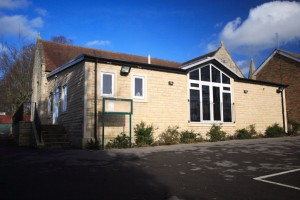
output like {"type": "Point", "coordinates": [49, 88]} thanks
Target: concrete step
{"type": "Point", "coordinates": [55, 135]}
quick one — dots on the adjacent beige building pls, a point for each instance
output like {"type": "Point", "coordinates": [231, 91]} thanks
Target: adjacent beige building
{"type": "Point", "coordinates": [70, 82]}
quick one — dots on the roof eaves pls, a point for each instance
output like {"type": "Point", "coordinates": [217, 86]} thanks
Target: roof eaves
{"type": "Point", "coordinates": [245, 80]}
{"type": "Point", "coordinates": [135, 64]}
{"type": "Point", "coordinates": [114, 61]}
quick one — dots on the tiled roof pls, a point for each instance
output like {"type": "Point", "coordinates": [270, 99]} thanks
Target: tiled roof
{"type": "Point", "coordinates": [56, 54]}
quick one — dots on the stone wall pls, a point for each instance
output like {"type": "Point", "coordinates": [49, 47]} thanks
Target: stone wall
{"type": "Point", "coordinates": [164, 104]}
{"type": "Point", "coordinates": [167, 105]}
{"type": "Point", "coordinates": [73, 118]}
{"type": "Point", "coordinates": [257, 104]}
{"type": "Point", "coordinates": [23, 134]}
{"type": "Point", "coordinates": [39, 83]}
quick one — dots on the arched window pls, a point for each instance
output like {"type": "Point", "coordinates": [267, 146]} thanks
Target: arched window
{"type": "Point", "coordinates": [210, 95]}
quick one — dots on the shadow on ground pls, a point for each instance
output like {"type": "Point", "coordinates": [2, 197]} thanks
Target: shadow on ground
{"type": "Point", "coordinates": [28, 173]}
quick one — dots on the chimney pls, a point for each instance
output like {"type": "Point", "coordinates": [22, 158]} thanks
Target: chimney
{"type": "Point", "coordinates": [149, 59]}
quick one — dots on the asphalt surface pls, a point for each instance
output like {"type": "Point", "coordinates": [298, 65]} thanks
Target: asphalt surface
{"type": "Point", "coordinates": [220, 170]}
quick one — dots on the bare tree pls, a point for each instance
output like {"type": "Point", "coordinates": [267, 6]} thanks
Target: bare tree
{"type": "Point", "coordinates": [16, 66]}
{"type": "Point", "coordinates": [61, 39]}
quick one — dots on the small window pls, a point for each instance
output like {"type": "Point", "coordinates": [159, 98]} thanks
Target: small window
{"type": "Point", "coordinates": [205, 73]}
{"type": "Point", "coordinates": [107, 84]}
{"type": "Point", "coordinates": [138, 88]}
{"type": "Point", "coordinates": [216, 75]}
{"type": "Point", "coordinates": [225, 79]}
{"type": "Point", "coordinates": [194, 75]}
{"type": "Point", "coordinates": [64, 98]}
{"type": "Point", "coordinates": [194, 85]}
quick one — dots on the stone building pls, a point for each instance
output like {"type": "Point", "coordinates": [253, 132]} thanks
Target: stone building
{"type": "Point", "coordinates": [70, 83]}
{"type": "Point", "coordinates": [284, 67]}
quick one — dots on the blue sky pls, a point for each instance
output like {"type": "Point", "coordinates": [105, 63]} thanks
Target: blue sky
{"type": "Point", "coordinates": [176, 30]}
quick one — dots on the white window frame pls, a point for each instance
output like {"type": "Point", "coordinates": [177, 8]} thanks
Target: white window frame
{"type": "Point", "coordinates": [211, 84]}
{"type": "Point", "coordinates": [143, 97]}
{"type": "Point", "coordinates": [64, 98]}
{"type": "Point", "coordinates": [112, 84]}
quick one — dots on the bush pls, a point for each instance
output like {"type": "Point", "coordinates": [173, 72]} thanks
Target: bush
{"type": "Point", "coordinates": [143, 134]}
{"type": "Point", "coordinates": [274, 131]}
{"type": "Point", "coordinates": [121, 141]}
{"type": "Point", "coordinates": [190, 137]}
{"type": "Point", "coordinates": [93, 144]}
{"type": "Point", "coordinates": [170, 136]}
{"type": "Point", "coordinates": [243, 134]}
{"type": "Point", "coordinates": [252, 130]}
{"type": "Point", "coordinates": [294, 128]}
{"type": "Point", "coordinates": [215, 133]}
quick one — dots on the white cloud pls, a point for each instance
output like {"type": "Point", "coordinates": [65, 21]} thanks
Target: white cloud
{"type": "Point", "coordinates": [258, 31]}
{"type": "Point", "coordinates": [12, 4]}
{"type": "Point", "coordinates": [98, 43]}
{"type": "Point", "coordinates": [212, 47]}
{"type": "Point", "coordinates": [41, 11]}
{"type": "Point", "coordinates": [19, 24]}
{"type": "Point", "coordinates": [244, 66]}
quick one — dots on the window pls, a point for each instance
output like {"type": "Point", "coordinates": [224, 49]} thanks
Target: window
{"type": "Point", "coordinates": [210, 95]}
{"type": "Point", "coordinates": [64, 98]}
{"type": "Point", "coordinates": [138, 87]}
{"type": "Point", "coordinates": [107, 84]}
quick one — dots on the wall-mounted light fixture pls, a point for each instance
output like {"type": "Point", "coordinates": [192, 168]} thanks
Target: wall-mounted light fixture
{"type": "Point", "coordinates": [280, 89]}
{"type": "Point", "coordinates": [171, 83]}
{"type": "Point", "coordinates": [125, 70]}
{"type": "Point", "coordinates": [245, 91]}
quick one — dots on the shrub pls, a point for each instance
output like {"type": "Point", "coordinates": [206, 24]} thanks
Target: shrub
{"type": "Point", "coordinates": [215, 133]}
{"type": "Point", "coordinates": [252, 130]}
{"type": "Point", "coordinates": [274, 131]}
{"type": "Point", "coordinates": [93, 144]}
{"type": "Point", "coordinates": [121, 141]}
{"type": "Point", "coordinates": [294, 128]}
{"type": "Point", "coordinates": [170, 136]}
{"type": "Point", "coordinates": [143, 134]}
{"type": "Point", "coordinates": [190, 137]}
{"type": "Point", "coordinates": [243, 134]}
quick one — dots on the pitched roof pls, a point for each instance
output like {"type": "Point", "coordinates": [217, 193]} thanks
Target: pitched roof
{"type": "Point", "coordinates": [293, 56]}
{"type": "Point", "coordinates": [56, 55]}
{"type": "Point", "coordinates": [220, 54]}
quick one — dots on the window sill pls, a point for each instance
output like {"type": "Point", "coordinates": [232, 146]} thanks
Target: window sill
{"type": "Point", "coordinates": [227, 124]}
{"type": "Point", "coordinates": [140, 100]}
